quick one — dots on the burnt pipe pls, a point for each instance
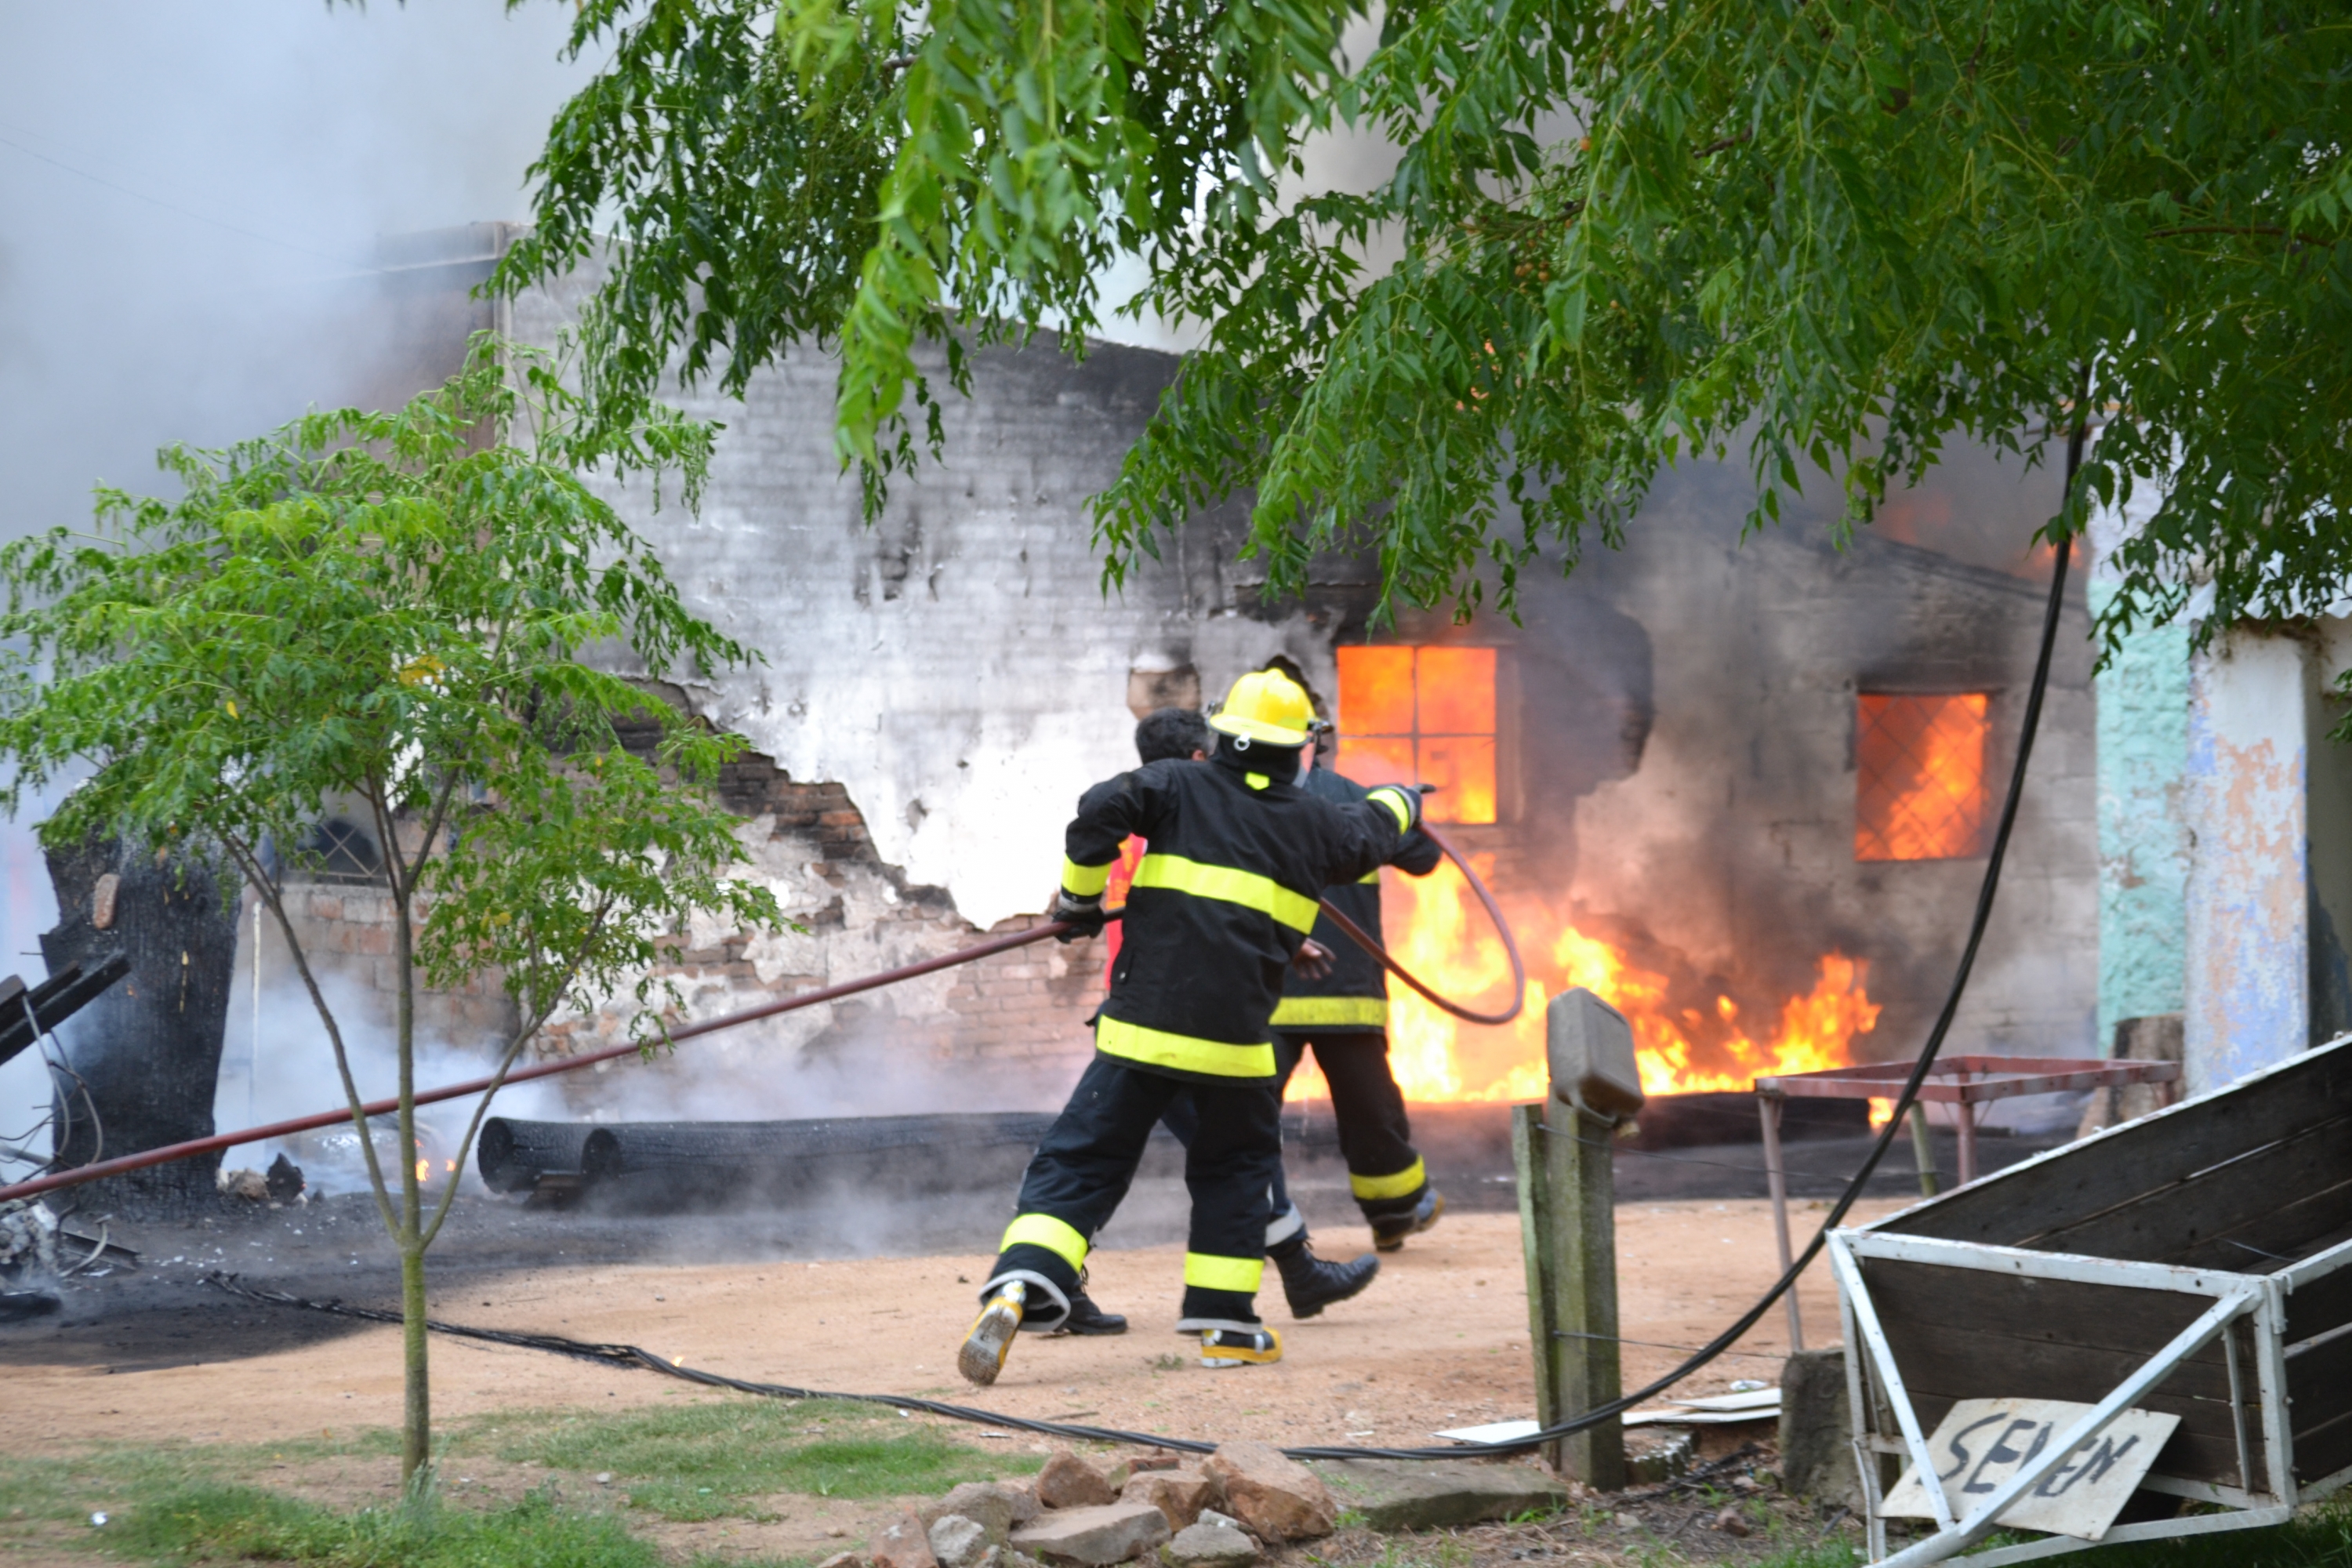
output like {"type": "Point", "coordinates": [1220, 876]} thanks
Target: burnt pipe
{"type": "Point", "coordinates": [668, 1167]}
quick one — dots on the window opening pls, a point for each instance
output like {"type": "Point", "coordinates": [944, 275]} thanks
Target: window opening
{"type": "Point", "coordinates": [1919, 776]}
{"type": "Point", "coordinates": [1421, 715]}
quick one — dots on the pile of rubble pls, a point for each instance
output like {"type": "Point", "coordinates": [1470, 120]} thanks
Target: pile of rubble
{"type": "Point", "coordinates": [1218, 1512]}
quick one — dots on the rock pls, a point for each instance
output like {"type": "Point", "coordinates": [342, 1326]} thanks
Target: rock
{"type": "Point", "coordinates": [1275, 1498]}
{"type": "Point", "coordinates": [995, 1507]}
{"type": "Point", "coordinates": [1209, 1546]}
{"type": "Point", "coordinates": [1668, 1456]}
{"type": "Point", "coordinates": [1093, 1537]}
{"type": "Point", "coordinates": [845, 1560]}
{"type": "Point", "coordinates": [905, 1544]}
{"type": "Point", "coordinates": [1150, 1460]}
{"type": "Point", "coordinates": [1731, 1521]}
{"type": "Point", "coordinates": [1180, 1494]}
{"type": "Point", "coordinates": [1628, 1521]}
{"type": "Point", "coordinates": [1069, 1482]}
{"type": "Point", "coordinates": [250, 1185]}
{"type": "Point", "coordinates": [1222, 1520]}
{"type": "Point", "coordinates": [958, 1541]}
{"type": "Point", "coordinates": [284, 1180]}
{"type": "Point", "coordinates": [1396, 1495]}
{"type": "Point", "coordinates": [1816, 1434]}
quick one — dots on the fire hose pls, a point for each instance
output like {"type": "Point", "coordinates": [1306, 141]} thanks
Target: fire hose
{"type": "Point", "coordinates": [35, 1186]}
{"type": "Point", "coordinates": [1608, 1410]}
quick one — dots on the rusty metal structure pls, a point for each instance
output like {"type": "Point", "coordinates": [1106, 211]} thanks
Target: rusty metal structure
{"type": "Point", "coordinates": [2195, 1263]}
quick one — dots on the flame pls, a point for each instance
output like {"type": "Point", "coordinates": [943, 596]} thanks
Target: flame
{"type": "Point", "coordinates": [1690, 1035]}
{"type": "Point", "coordinates": [423, 1169]}
{"type": "Point", "coordinates": [1921, 794]}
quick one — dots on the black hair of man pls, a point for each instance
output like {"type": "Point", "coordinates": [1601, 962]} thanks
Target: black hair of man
{"type": "Point", "coordinates": [1168, 733]}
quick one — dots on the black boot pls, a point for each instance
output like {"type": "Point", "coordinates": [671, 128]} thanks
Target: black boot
{"type": "Point", "coordinates": [1309, 1284]}
{"type": "Point", "coordinates": [1086, 1318]}
{"type": "Point", "coordinates": [1388, 1231]}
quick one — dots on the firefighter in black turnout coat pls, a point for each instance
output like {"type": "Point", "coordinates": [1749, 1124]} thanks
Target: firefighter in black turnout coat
{"type": "Point", "coordinates": [1239, 854]}
{"type": "Point", "coordinates": [1343, 1015]}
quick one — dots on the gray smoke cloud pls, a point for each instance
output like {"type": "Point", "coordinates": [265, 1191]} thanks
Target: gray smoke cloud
{"type": "Point", "coordinates": [190, 200]}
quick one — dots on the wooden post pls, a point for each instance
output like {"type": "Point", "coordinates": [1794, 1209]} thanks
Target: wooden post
{"type": "Point", "coordinates": [1923, 1152]}
{"type": "Point", "coordinates": [1561, 1151]}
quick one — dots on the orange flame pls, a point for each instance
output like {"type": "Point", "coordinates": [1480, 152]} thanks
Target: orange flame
{"type": "Point", "coordinates": [423, 1169]}
{"type": "Point", "coordinates": [1921, 794]}
{"type": "Point", "coordinates": [1690, 1039]}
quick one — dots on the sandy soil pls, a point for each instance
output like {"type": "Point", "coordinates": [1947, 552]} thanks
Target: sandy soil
{"type": "Point", "coordinates": [1441, 1340]}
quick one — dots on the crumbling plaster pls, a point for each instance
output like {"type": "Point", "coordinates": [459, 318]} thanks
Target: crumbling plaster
{"type": "Point", "coordinates": [958, 665]}
{"type": "Point", "coordinates": [2270, 883]}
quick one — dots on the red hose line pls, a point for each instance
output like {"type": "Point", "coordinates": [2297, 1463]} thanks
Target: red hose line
{"type": "Point", "coordinates": [34, 1186]}
{"type": "Point", "coordinates": [1362, 939]}
{"type": "Point", "coordinates": [194, 1146]}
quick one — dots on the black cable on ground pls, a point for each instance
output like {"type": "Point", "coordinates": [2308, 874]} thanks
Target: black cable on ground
{"type": "Point", "coordinates": [620, 1355]}
{"type": "Point", "coordinates": [633, 1355]}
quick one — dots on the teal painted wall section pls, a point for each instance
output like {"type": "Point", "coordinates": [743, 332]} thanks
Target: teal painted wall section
{"type": "Point", "coordinates": [2143, 748]}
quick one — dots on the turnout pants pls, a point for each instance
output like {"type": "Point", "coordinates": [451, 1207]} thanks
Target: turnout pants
{"type": "Point", "coordinates": [1384, 1171]}
{"type": "Point", "coordinates": [1082, 1170]}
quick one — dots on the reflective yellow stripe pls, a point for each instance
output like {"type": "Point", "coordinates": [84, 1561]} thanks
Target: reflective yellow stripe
{"type": "Point", "coordinates": [1227, 885]}
{"type": "Point", "coordinates": [1086, 881]}
{"type": "Point", "coordinates": [1185, 1053]}
{"type": "Point", "coordinates": [1214, 1273]}
{"type": "Point", "coordinates": [1304, 1012]}
{"type": "Point", "coordinates": [1389, 796]}
{"type": "Point", "coordinates": [1408, 1180]}
{"type": "Point", "coordinates": [1372, 877]}
{"type": "Point", "coordinates": [1057, 1236]}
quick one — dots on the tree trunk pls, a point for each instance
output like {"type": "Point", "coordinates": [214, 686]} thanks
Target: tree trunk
{"type": "Point", "coordinates": [416, 1423]}
{"type": "Point", "coordinates": [145, 1057]}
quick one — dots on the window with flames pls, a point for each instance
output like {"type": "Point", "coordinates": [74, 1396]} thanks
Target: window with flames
{"type": "Point", "coordinates": [1421, 715]}
{"type": "Point", "coordinates": [1919, 776]}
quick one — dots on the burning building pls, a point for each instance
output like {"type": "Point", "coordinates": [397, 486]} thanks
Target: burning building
{"type": "Point", "coordinates": [1742, 788]}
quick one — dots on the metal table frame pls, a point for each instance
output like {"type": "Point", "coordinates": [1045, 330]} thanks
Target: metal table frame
{"type": "Point", "coordinates": [1961, 1082]}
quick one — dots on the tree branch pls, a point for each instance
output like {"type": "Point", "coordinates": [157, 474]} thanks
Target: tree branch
{"type": "Point", "coordinates": [250, 864]}
{"type": "Point", "coordinates": [506, 1064]}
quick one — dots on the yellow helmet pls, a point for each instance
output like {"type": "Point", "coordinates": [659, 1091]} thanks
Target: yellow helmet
{"type": "Point", "coordinates": [1266, 705]}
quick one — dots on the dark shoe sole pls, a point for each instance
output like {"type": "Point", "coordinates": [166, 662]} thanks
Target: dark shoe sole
{"type": "Point", "coordinates": [1394, 1240]}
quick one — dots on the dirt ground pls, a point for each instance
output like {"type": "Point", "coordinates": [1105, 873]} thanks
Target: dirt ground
{"type": "Point", "coordinates": [1439, 1340]}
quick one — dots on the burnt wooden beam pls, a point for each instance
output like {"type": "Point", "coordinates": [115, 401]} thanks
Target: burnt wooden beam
{"type": "Point", "coordinates": [28, 1014]}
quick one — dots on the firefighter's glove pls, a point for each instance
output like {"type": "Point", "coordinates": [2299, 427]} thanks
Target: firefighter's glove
{"type": "Point", "coordinates": [1312, 961]}
{"type": "Point", "coordinates": [1404, 801]}
{"type": "Point", "coordinates": [1085, 915]}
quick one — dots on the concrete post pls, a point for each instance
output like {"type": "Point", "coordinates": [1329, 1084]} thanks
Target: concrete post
{"type": "Point", "coordinates": [1569, 1226]}
{"type": "Point", "coordinates": [2270, 881]}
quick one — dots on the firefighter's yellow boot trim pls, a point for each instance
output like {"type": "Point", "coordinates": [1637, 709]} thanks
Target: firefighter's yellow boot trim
{"type": "Point", "coordinates": [991, 1336]}
{"type": "Point", "coordinates": [1260, 1346]}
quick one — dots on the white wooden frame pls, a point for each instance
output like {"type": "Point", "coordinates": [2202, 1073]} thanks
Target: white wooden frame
{"type": "Point", "coordinates": [1873, 1381]}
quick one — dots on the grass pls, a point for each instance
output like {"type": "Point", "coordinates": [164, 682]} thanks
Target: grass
{"type": "Point", "coordinates": [706, 1461]}
{"type": "Point", "coordinates": [215, 1523]}
{"type": "Point", "coordinates": [186, 1503]}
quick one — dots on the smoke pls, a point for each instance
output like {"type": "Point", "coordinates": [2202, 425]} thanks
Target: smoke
{"type": "Point", "coordinates": [190, 200]}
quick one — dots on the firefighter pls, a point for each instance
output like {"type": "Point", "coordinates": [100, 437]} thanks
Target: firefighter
{"type": "Point", "coordinates": [1309, 1283]}
{"type": "Point", "coordinates": [1239, 854]}
{"type": "Point", "coordinates": [1342, 1015]}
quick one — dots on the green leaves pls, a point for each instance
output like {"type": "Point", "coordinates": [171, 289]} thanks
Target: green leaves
{"type": "Point", "coordinates": [1824, 236]}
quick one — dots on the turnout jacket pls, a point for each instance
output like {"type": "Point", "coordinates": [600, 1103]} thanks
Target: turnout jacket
{"type": "Point", "coordinates": [1354, 997]}
{"type": "Point", "coordinates": [1222, 899]}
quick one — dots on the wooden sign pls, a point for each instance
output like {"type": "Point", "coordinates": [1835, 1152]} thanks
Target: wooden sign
{"type": "Point", "coordinates": [1983, 1442]}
